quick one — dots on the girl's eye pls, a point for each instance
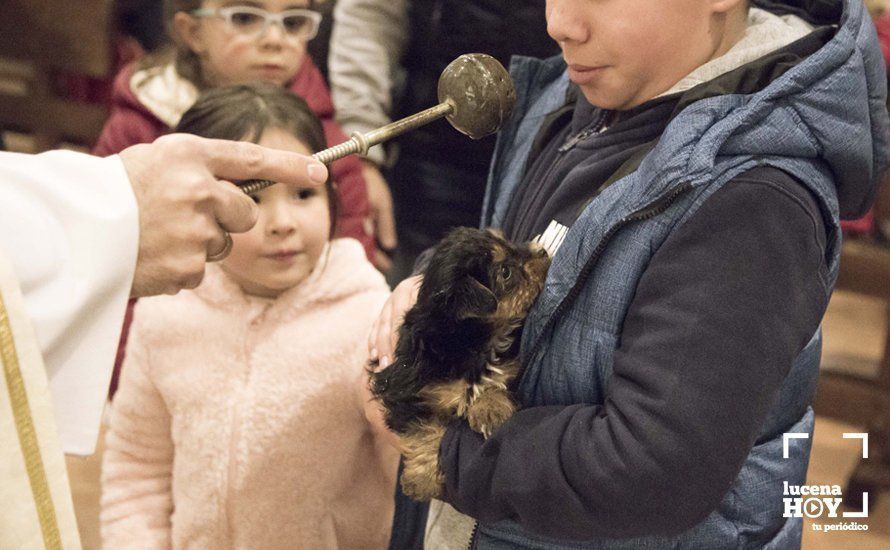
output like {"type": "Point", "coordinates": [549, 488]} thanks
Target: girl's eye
{"type": "Point", "coordinates": [296, 23]}
{"type": "Point", "coordinates": [246, 19]}
{"type": "Point", "coordinates": [306, 193]}
{"type": "Point", "coordinates": [255, 197]}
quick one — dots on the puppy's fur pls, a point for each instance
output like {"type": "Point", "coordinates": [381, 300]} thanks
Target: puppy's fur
{"type": "Point", "coordinates": [458, 346]}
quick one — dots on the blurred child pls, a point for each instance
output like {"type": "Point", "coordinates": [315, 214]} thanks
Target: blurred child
{"type": "Point", "coordinates": [238, 422]}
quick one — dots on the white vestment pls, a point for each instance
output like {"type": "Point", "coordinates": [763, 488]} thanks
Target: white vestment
{"type": "Point", "coordinates": [69, 227]}
{"type": "Point", "coordinates": [69, 232]}
{"type": "Point", "coordinates": [38, 512]}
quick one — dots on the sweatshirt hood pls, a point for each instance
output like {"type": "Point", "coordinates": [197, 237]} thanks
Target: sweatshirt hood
{"type": "Point", "coordinates": [163, 93]}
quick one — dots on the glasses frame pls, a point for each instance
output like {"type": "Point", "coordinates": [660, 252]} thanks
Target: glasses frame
{"type": "Point", "coordinates": [268, 19]}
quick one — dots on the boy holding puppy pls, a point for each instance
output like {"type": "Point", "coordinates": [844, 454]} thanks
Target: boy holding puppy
{"type": "Point", "coordinates": [687, 164]}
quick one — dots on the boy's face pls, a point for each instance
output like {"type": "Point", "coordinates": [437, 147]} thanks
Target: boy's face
{"type": "Point", "coordinates": [622, 53]}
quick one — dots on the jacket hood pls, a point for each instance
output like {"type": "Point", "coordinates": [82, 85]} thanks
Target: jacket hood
{"type": "Point", "coordinates": [161, 93]}
{"type": "Point", "coordinates": [838, 96]}
{"type": "Point", "coordinates": [123, 95]}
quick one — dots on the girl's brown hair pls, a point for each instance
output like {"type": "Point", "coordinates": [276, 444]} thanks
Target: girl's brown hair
{"type": "Point", "coordinates": [187, 63]}
{"type": "Point", "coordinates": [243, 112]}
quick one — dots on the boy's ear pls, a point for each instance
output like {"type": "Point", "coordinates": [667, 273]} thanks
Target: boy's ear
{"type": "Point", "coordinates": [187, 30]}
{"type": "Point", "coordinates": [472, 300]}
{"type": "Point", "coordinates": [726, 6]}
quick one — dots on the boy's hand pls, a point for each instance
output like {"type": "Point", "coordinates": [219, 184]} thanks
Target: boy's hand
{"type": "Point", "coordinates": [374, 414]}
{"type": "Point", "coordinates": [382, 220]}
{"type": "Point", "coordinates": [381, 348]}
{"type": "Point", "coordinates": [385, 330]}
{"type": "Point", "coordinates": [187, 203]}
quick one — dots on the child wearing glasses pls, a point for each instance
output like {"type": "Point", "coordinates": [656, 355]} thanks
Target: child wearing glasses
{"type": "Point", "coordinates": [221, 42]}
{"type": "Point", "coordinates": [238, 422]}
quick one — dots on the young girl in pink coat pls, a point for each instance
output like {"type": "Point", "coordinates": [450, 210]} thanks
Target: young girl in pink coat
{"type": "Point", "coordinates": [239, 420]}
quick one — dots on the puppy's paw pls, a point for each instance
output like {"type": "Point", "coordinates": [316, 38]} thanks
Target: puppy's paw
{"type": "Point", "coordinates": [491, 408]}
{"type": "Point", "coordinates": [421, 477]}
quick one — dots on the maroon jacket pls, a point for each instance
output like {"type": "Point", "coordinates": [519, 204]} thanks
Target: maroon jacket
{"type": "Point", "coordinates": [130, 122]}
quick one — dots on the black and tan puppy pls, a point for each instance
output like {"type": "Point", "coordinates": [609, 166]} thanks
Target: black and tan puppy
{"type": "Point", "coordinates": [458, 346]}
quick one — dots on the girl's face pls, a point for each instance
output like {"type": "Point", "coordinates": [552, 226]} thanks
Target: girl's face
{"type": "Point", "coordinates": [231, 56]}
{"type": "Point", "coordinates": [287, 241]}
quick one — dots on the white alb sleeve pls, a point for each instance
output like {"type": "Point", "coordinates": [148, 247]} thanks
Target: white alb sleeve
{"type": "Point", "coordinates": [69, 225]}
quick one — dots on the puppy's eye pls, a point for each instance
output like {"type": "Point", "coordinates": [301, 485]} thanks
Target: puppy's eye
{"type": "Point", "coordinates": [506, 273]}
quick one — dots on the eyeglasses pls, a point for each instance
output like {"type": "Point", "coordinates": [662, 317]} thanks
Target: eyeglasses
{"type": "Point", "coordinates": [254, 22]}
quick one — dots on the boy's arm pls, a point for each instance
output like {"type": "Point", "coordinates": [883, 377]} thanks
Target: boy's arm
{"type": "Point", "coordinates": [721, 312]}
{"type": "Point", "coordinates": [136, 469]}
{"type": "Point", "coordinates": [367, 41]}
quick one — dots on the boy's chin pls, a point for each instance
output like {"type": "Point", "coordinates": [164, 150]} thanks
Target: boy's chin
{"type": "Point", "coordinates": [607, 103]}
{"type": "Point", "coordinates": [610, 100]}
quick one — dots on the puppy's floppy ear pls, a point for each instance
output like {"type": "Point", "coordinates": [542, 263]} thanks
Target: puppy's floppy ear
{"type": "Point", "coordinates": [472, 300]}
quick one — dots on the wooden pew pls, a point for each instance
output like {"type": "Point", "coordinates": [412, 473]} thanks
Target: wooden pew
{"type": "Point", "coordinates": [865, 269]}
{"type": "Point", "coordinates": [38, 39]}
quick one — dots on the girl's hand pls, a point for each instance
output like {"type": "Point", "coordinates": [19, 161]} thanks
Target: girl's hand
{"type": "Point", "coordinates": [385, 330]}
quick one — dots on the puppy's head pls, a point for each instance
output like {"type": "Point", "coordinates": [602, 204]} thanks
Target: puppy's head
{"type": "Point", "coordinates": [475, 294]}
{"type": "Point", "coordinates": [477, 277]}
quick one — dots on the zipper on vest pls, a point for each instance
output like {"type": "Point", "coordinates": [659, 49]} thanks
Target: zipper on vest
{"type": "Point", "coordinates": [649, 211]}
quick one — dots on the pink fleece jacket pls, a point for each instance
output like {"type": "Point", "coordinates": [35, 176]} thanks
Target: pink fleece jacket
{"type": "Point", "coordinates": [239, 423]}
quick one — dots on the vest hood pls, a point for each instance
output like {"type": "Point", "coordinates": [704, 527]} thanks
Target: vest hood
{"type": "Point", "coordinates": [830, 106]}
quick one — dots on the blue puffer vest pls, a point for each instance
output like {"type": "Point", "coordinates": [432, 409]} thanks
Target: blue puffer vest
{"type": "Point", "coordinates": [824, 122]}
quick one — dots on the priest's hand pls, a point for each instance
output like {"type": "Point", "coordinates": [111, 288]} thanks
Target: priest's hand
{"type": "Point", "coordinates": [187, 203]}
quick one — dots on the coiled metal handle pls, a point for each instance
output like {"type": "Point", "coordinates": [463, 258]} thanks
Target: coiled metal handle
{"type": "Point", "coordinates": [475, 94]}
